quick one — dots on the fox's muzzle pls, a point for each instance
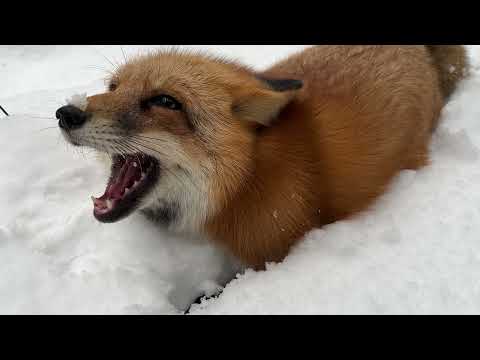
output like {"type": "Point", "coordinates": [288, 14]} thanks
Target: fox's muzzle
{"type": "Point", "coordinates": [70, 117]}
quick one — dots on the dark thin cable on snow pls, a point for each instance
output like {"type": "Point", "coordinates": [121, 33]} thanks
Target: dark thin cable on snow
{"type": "Point", "coordinates": [1, 108]}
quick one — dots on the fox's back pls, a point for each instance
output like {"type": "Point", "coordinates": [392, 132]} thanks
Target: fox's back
{"type": "Point", "coordinates": [370, 109]}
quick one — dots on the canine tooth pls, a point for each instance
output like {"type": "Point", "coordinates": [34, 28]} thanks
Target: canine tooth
{"type": "Point", "coordinates": [143, 176]}
{"type": "Point", "coordinates": [127, 190]}
{"type": "Point", "coordinates": [134, 164]}
{"type": "Point", "coordinates": [109, 204]}
{"type": "Point", "coordinates": [93, 199]}
{"type": "Point", "coordinates": [135, 183]}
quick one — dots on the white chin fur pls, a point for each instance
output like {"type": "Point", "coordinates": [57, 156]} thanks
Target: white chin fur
{"type": "Point", "coordinates": [191, 199]}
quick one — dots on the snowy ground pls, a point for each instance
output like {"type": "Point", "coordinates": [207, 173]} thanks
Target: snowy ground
{"type": "Point", "coordinates": [416, 252]}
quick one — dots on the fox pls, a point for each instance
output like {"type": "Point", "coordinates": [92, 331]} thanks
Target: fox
{"type": "Point", "coordinates": [253, 160]}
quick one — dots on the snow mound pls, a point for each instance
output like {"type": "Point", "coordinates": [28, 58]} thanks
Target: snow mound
{"type": "Point", "coordinates": [78, 100]}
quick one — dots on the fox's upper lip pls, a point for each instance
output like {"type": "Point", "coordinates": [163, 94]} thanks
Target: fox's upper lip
{"type": "Point", "coordinates": [132, 177]}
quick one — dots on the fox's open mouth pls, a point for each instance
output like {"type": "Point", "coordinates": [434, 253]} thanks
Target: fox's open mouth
{"type": "Point", "coordinates": [132, 177]}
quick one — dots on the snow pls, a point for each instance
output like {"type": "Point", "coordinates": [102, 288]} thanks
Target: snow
{"type": "Point", "coordinates": [417, 251]}
{"type": "Point", "coordinates": [78, 100]}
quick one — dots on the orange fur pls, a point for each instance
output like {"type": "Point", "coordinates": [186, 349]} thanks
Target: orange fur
{"type": "Point", "coordinates": [280, 163]}
{"type": "Point", "coordinates": [364, 114]}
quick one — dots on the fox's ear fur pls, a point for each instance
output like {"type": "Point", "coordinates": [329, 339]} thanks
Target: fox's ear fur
{"type": "Point", "coordinates": [262, 101]}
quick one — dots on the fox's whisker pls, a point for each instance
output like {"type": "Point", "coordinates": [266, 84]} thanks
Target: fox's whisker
{"type": "Point", "coordinates": [47, 128]}
{"type": "Point", "coordinates": [124, 56]}
{"type": "Point", "coordinates": [147, 137]}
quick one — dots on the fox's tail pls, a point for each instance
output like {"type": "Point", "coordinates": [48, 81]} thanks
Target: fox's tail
{"type": "Point", "coordinates": [452, 65]}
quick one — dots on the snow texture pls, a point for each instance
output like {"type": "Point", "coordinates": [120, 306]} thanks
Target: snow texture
{"type": "Point", "coordinates": [417, 251]}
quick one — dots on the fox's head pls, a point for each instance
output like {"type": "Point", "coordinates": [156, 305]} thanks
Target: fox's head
{"type": "Point", "coordinates": [180, 130]}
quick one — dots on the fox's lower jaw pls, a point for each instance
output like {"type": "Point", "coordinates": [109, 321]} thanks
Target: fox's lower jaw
{"type": "Point", "coordinates": [171, 196]}
{"type": "Point", "coordinates": [132, 178]}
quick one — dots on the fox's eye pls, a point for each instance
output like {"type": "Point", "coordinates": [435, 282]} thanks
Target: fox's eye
{"type": "Point", "coordinates": [165, 101]}
{"type": "Point", "coordinates": [112, 87]}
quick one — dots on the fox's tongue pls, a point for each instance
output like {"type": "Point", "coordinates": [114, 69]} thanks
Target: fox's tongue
{"type": "Point", "coordinates": [119, 185]}
{"type": "Point", "coordinates": [132, 177]}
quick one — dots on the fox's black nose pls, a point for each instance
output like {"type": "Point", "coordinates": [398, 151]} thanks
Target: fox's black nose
{"type": "Point", "coordinates": [70, 117]}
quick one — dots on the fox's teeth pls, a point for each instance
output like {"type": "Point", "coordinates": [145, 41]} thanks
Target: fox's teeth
{"type": "Point", "coordinates": [134, 164]}
{"type": "Point", "coordinates": [93, 199]}
{"type": "Point", "coordinates": [127, 190]}
{"type": "Point", "coordinates": [143, 176]}
{"type": "Point", "coordinates": [109, 204]}
{"type": "Point", "coordinates": [135, 184]}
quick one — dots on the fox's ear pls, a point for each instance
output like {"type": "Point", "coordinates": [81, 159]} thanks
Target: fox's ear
{"type": "Point", "coordinates": [262, 101]}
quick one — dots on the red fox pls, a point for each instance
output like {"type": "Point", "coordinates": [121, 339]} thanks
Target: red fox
{"type": "Point", "coordinates": [254, 160]}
